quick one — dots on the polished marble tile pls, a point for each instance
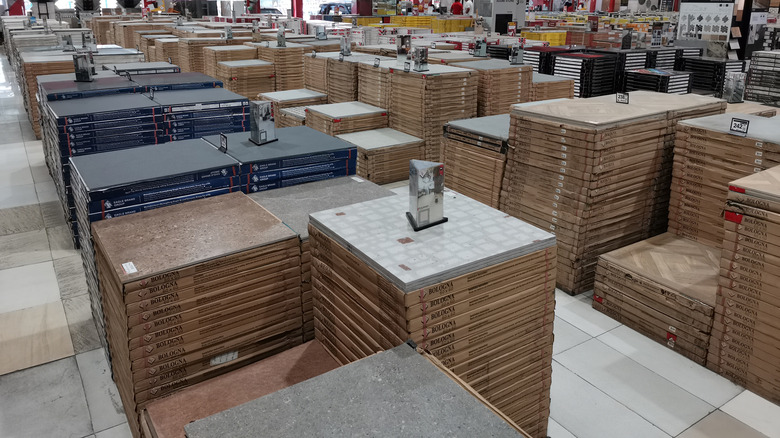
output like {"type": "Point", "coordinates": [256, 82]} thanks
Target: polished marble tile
{"type": "Point", "coordinates": [586, 412]}
{"type": "Point", "coordinates": [53, 214]}
{"type": "Point", "coordinates": [721, 425]}
{"type": "Point", "coordinates": [45, 401]}
{"type": "Point", "coordinates": [121, 431]}
{"type": "Point", "coordinates": [756, 412]}
{"type": "Point", "coordinates": [567, 336]}
{"type": "Point", "coordinates": [679, 370]}
{"type": "Point", "coordinates": [70, 276]}
{"type": "Point", "coordinates": [28, 286]}
{"type": "Point", "coordinates": [654, 398]}
{"type": "Point", "coordinates": [81, 325]}
{"type": "Point", "coordinates": [105, 407]}
{"type": "Point", "coordinates": [580, 314]}
{"type": "Point", "coordinates": [20, 219]}
{"type": "Point", "coordinates": [24, 249]}
{"type": "Point", "coordinates": [18, 195]}
{"type": "Point", "coordinates": [33, 336]}
{"type": "Point", "coordinates": [61, 242]}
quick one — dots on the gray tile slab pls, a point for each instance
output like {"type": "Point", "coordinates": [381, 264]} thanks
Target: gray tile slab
{"type": "Point", "coordinates": [20, 219]}
{"type": "Point", "coordinates": [53, 214]}
{"type": "Point", "coordinates": [47, 400]}
{"type": "Point", "coordinates": [24, 249]}
{"type": "Point", "coordinates": [390, 394]}
{"type": "Point", "coordinates": [567, 336]}
{"type": "Point", "coordinates": [61, 242]}
{"type": "Point", "coordinates": [81, 326]}
{"type": "Point", "coordinates": [105, 407]}
{"type": "Point", "coordinates": [70, 276]}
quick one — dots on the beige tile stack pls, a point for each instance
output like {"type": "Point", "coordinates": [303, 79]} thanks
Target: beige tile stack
{"type": "Point", "coordinates": [293, 98]}
{"type": "Point", "coordinates": [248, 78]}
{"type": "Point", "coordinates": [546, 87]}
{"type": "Point", "coordinates": [477, 292]}
{"type": "Point", "coordinates": [290, 116]}
{"type": "Point", "coordinates": [752, 108]}
{"type": "Point", "coordinates": [215, 54]}
{"type": "Point", "coordinates": [374, 81]}
{"type": "Point", "coordinates": [32, 66]}
{"type": "Point", "coordinates": [165, 49]}
{"type": "Point", "coordinates": [147, 44]}
{"type": "Point", "coordinates": [345, 117]}
{"type": "Point", "coordinates": [384, 154]}
{"type": "Point", "coordinates": [474, 154]}
{"type": "Point", "coordinates": [138, 36]}
{"type": "Point", "coordinates": [501, 85]}
{"type": "Point", "coordinates": [315, 71]}
{"type": "Point", "coordinates": [745, 335]}
{"type": "Point", "coordinates": [180, 309]}
{"type": "Point", "coordinates": [343, 77]}
{"type": "Point", "coordinates": [124, 31]}
{"type": "Point", "coordinates": [288, 61]}
{"type": "Point", "coordinates": [422, 102]}
{"type": "Point", "coordinates": [454, 57]}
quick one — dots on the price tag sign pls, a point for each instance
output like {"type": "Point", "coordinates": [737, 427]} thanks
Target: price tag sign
{"type": "Point", "coordinates": [739, 127]}
{"type": "Point", "coordinates": [471, 51]}
{"type": "Point", "coordinates": [223, 143]}
{"type": "Point", "coordinates": [433, 45]}
{"type": "Point", "coordinates": [170, 61]}
{"type": "Point", "coordinates": [407, 67]}
{"type": "Point", "coordinates": [621, 98]}
{"type": "Point", "coordinates": [341, 57]}
{"type": "Point", "coordinates": [313, 53]}
{"type": "Point", "coordinates": [376, 62]}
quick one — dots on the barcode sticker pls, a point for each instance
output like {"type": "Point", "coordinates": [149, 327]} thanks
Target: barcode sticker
{"type": "Point", "coordinates": [129, 268]}
{"type": "Point", "coordinates": [224, 358]}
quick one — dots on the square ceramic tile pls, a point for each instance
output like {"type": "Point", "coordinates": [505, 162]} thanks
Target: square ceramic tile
{"type": "Point", "coordinates": [121, 431]}
{"type": "Point", "coordinates": [721, 425]}
{"type": "Point", "coordinates": [13, 158]}
{"type": "Point", "coordinates": [756, 412]}
{"type": "Point", "coordinates": [555, 430]}
{"type": "Point", "coordinates": [40, 173]}
{"type": "Point", "coordinates": [33, 336]}
{"type": "Point", "coordinates": [70, 276]}
{"type": "Point", "coordinates": [656, 399]}
{"type": "Point", "coordinates": [24, 249]}
{"type": "Point", "coordinates": [46, 192]}
{"type": "Point", "coordinates": [44, 401]}
{"type": "Point", "coordinates": [15, 175]}
{"type": "Point", "coordinates": [18, 195]}
{"type": "Point", "coordinates": [580, 314]}
{"type": "Point", "coordinates": [53, 214]}
{"type": "Point", "coordinates": [684, 373]}
{"type": "Point", "coordinates": [105, 407]}
{"type": "Point", "coordinates": [12, 132]}
{"type": "Point", "coordinates": [81, 324]}
{"type": "Point", "coordinates": [567, 336]}
{"type": "Point", "coordinates": [586, 412]}
{"type": "Point", "coordinates": [61, 242]}
{"type": "Point", "coordinates": [28, 286]}
{"type": "Point", "coordinates": [20, 219]}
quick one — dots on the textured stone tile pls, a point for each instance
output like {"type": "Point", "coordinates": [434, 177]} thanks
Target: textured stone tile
{"type": "Point", "coordinates": [105, 407]}
{"type": "Point", "coordinates": [20, 219]}
{"type": "Point", "coordinates": [24, 249]}
{"type": "Point", "coordinates": [81, 326]}
{"type": "Point", "coordinates": [70, 276]}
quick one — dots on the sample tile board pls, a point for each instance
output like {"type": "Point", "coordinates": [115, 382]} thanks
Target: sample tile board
{"type": "Point", "coordinates": [501, 85]}
{"type": "Point", "coordinates": [386, 401]}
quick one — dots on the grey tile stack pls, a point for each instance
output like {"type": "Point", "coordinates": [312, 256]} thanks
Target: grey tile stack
{"type": "Point", "coordinates": [763, 80]}
{"type": "Point", "coordinates": [501, 85]}
{"type": "Point", "coordinates": [291, 98]}
{"type": "Point", "coordinates": [345, 117]}
{"type": "Point", "coordinates": [384, 154]}
{"type": "Point", "coordinates": [476, 291]}
{"type": "Point", "coordinates": [294, 204]}
{"type": "Point", "coordinates": [385, 395]}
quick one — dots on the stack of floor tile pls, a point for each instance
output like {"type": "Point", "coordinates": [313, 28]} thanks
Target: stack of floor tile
{"type": "Point", "coordinates": [248, 77]}
{"type": "Point", "coordinates": [176, 318]}
{"type": "Point", "coordinates": [167, 49]}
{"type": "Point", "coordinates": [374, 81]}
{"type": "Point", "coordinates": [147, 44]}
{"type": "Point", "coordinates": [142, 68]}
{"type": "Point", "coordinates": [451, 57]}
{"type": "Point", "coordinates": [501, 85]}
{"type": "Point", "coordinates": [764, 77]}
{"type": "Point", "coordinates": [585, 169]}
{"type": "Point", "coordinates": [384, 154]}
{"type": "Point", "coordinates": [217, 54]}
{"type": "Point", "coordinates": [541, 57]}
{"type": "Point", "coordinates": [707, 157]}
{"type": "Point", "coordinates": [300, 155]}
{"type": "Point", "coordinates": [745, 335]}
{"type": "Point", "coordinates": [345, 117]}
{"type": "Point", "coordinates": [332, 45]}
{"type": "Point", "coordinates": [389, 400]}
{"type": "Point", "coordinates": [292, 98]}
{"type": "Point", "coordinates": [176, 81]}
{"type": "Point", "coordinates": [474, 154]}
{"type": "Point", "coordinates": [288, 61]}
{"type": "Point", "coordinates": [663, 287]}
{"type": "Point", "coordinates": [422, 102]}
{"type": "Point", "coordinates": [593, 74]}
{"type": "Point", "coordinates": [545, 87]}
{"type": "Point", "coordinates": [150, 177]}
{"type": "Point", "coordinates": [198, 113]}
{"type": "Point", "coordinates": [166, 417]}
{"type": "Point", "coordinates": [476, 291]}
{"type": "Point", "coordinates": [292, 116]}
{"type": "Point", "coordinates": [293, 205]}
{"type": "Point", "coordinates": [31, 67]}
{"type": "Point", "coordinates": [752, 108]}
{"type": "Point", "coordinates": [191, 56]}
{"type": "Point", "coordinates": [315, 71]}
{"type": "Point", "coordinates": [343, 77]}
{"type": "Point", "coordinates": [709, 74]}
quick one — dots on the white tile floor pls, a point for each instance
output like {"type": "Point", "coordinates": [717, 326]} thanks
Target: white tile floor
{"type": "Point", "coordinates": [608, 381]}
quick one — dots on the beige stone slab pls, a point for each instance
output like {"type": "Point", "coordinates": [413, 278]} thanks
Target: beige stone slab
{"type": "Point", "coordinates": [20, 219]}
{"type": "Point", "coordinates": [720, 424]}
{"type": "Point", "coordinates": [33, 336]}
{"type": "Point", "coordinates": [24, 249]}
